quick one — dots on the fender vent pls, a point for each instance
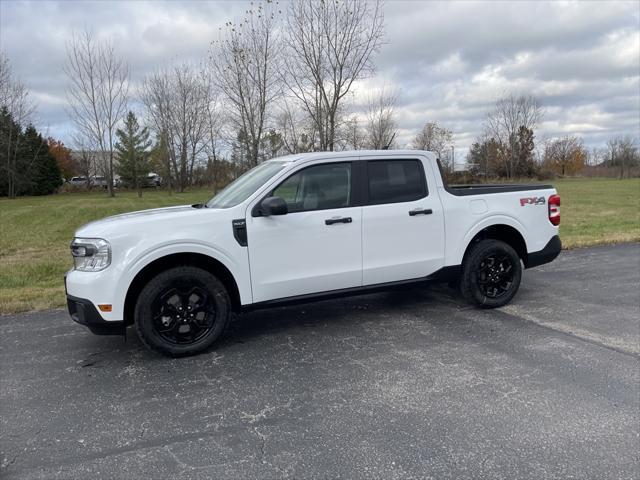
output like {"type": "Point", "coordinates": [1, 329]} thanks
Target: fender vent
{"type": "Point", "coordinates": [240, 231]}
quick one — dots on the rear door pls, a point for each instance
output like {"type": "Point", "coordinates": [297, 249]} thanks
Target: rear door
{"type": "Point", "coordinates": [314, 248]}
{"type": "Point", "coordinates": [402, 221]}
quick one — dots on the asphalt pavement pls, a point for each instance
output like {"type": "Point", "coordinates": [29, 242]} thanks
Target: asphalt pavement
{"type": "Point", "coordinates": [406, 384]}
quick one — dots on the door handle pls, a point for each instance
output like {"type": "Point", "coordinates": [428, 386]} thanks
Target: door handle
{"type": "Point", "coordinates": [331, 221]}
{"type": "Point", "coordinates": [420, 211]}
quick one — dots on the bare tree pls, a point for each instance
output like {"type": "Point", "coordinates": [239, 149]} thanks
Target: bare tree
{"type": "Point", "coordinates": [214, 124]}
{"type": "Point", "coordinates": [329, 45]}
{"type": "Point", "coordinates": [622, 152]}
{"type": "Point", "coordinates": [98, 92]}
{"type": "Point", "coordinates": [157, 97]}
{"type": "Point", "coordinates": [297, 132]}
{"type": "Point", "coordinates": [508, 116]}
{"type": "Point", "coordinates": [177, 102]}
{"type": "Point", "coordinates": [437, 139]}
{"type": "Point", "coordinates": [595, 156]}
{"type": "Point", "coordinates": [5, 79]}
{"type": "Point", "coordinates": [245, 63]}
{"type": "Point", "coordinates": [381, 125]}
{"type": "Point", "coordinates": [84, 158]}
{"type": "Point", "coordinates": [352, 135]}
{"type": "Point", "coordinates": [14, 95]}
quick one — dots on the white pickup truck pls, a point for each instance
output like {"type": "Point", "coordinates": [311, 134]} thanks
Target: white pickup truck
{"type": "Point", "coordinates": [304, 227]}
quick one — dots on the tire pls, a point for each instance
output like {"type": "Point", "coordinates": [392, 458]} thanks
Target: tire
{"type": "Point", "coordinates": [491, 274]}
{"type": "Point", "coordinates": [182, 311]}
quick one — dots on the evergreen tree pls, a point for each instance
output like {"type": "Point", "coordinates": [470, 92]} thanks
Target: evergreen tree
{"type": "Point", "coordinates": [524, 147]}
{"type": "Point", "coordinates": [26, 166]}
{"type": "Point", "coordinates": [132, 150]}
{"type": "Point", "coordinates": [10, 136]}
{"type": "Point", "coordinates": [43, 174]}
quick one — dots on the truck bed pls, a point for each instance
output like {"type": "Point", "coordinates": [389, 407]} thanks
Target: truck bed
{"type": "Point", "coordinates": [482, 189]}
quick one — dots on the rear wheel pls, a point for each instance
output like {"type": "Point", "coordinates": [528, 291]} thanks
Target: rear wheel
{"type": "Point", "coordinates": [182, 311]}
{"type": "Point", "coordinates": [491, 274]}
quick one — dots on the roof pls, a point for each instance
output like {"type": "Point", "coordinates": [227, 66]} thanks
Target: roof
{"type": "Point", "coordinates": [351, 154]}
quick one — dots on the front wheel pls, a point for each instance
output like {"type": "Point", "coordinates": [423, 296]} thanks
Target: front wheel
{"type": "Point", "coordinates": [182, 311]}
{"type": "Point", "coordinates": [491, 274]}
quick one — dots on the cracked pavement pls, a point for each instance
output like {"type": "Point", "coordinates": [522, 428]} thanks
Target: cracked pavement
{"type": "Point", "coordinates": [405, 384]}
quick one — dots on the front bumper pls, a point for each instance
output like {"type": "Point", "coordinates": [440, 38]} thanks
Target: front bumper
{"type": "Point", "coordinates": [85, 313]}
{"type": "Point", "coordinates": [547, 254]}
{"type": "Point", "coordinates": [98, 288]}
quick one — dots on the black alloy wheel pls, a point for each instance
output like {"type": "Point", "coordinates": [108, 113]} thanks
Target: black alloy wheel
{"type": "Point", "coordinates": [182, 316]}
{"type": "Point", "coordinates": [491, 274]}
{"type": "Point", "coordinates": [494, 275]}
{"type": "Point", "coordinates": [182, 311]}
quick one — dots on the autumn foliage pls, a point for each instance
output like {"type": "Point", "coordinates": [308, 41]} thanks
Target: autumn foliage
{"type": "Point", "coordinates": [63, 158]}
{"type": "Point", "coordinates": [565, 156]}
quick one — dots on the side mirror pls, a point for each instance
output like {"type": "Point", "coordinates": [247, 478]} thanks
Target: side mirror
{"type": "Point", "coordinates": [273, 206]}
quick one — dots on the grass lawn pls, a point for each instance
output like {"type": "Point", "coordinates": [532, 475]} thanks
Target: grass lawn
{"type": "Point", "coordinates": [598, 211]}
{"type": "Point", "coordinates": [35, 231]}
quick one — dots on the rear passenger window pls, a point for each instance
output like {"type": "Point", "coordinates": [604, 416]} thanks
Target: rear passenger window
{"type": "Point", "coordinates": [395, 181]}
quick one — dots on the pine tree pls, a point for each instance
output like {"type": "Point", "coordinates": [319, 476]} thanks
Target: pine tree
{"type": "Point", "coordinates": [159, 160]}
{"type": "Point", "coordinates": [26, 166]}
{"type": "Point", "coordinates": [132, 150]}
{"type": "Point", "coordinates": [43, 177]}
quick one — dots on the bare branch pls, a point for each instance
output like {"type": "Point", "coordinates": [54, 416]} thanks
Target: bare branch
{"type": "Point", "coordinates": [381, 125]}
{"type": "Point", "coordinates": [244, 63]}
{"type": "Point", "coordinates": [180, 109]}
{"type": "Point", "coordinates": [98, 92]}
{"type": "Point", "coordinates": [503, 123]}
{"type": "Point", "coordinates": [329, 45]}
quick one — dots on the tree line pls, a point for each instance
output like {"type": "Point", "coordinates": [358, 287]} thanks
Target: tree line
{"type": "Point", "coordinates": [275, 81]}
{"type": "Point", "coordinates": [278, 80]}
{"type": "Point", "coordinates": [26, 165]}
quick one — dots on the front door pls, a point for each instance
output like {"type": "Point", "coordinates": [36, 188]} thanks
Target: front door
{"type": "Point", "coordinates": [314, 248]}
{"type": "Point", "coordinates": [402, 223]}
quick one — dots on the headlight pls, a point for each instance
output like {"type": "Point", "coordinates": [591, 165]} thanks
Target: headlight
{"type": "Point", "coordinates": [90, 254]}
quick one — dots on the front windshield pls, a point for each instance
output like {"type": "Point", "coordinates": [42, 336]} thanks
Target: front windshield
{"type": "Point", "coordinates": [244, 186]}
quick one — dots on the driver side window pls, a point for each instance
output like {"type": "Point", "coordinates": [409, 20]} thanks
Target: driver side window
{"type": "Point", "coordinates": [320, 187]}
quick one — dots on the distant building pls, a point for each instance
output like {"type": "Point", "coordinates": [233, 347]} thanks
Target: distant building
{"type": "Point", "coordinates": [92, 162]}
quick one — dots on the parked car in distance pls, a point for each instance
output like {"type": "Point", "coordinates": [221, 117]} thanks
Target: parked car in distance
{"type": "Point", "coordinates": [78, 181]}
{"type": "Point", "coordinates": [99, 181]}
{"type": "Point", "coordinates": [304, 227]}
{"type": "Point", "coordinates": [153, 180]}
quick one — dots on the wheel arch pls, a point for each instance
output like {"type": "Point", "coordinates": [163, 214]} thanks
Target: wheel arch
{"type": "Point", "coordinates": [163, 263]}
{"type": "Point", "coordinates": [505, 233]}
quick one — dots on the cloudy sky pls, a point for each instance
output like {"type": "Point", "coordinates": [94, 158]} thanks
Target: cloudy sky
{"type": "Point", "coordinates": [447, 61]}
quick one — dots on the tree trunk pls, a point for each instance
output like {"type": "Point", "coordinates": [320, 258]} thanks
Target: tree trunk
{"type": "Point", "coordinates": [183, 166]}
{"type": "Point", "coordinates": [331, 132]}
{"type": "Point", "coordinates": [110, 176]}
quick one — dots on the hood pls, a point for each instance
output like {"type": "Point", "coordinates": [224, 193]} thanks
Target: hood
{"type": "Point", "coordinates": [116, 224]}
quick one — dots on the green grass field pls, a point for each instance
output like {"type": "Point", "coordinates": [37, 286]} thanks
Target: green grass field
{"type": "Point", "coordinates": [35, 231]}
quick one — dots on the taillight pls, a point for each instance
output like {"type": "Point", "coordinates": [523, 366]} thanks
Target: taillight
{"type": "Point", "coordinates": [554, 209]}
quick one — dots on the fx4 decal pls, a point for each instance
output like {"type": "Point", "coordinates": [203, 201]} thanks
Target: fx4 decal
{"type": "Point", "coordinates": [532, 201]}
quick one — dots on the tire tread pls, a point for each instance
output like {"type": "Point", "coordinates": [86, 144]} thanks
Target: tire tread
{"type": "Point", "coordinates": [467, 279]}
{"type": "Point", "coordinates": [146, 296]}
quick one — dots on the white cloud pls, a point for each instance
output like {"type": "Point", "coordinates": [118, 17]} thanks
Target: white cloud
{"type": "Point", "coordinates": [447, 61]}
